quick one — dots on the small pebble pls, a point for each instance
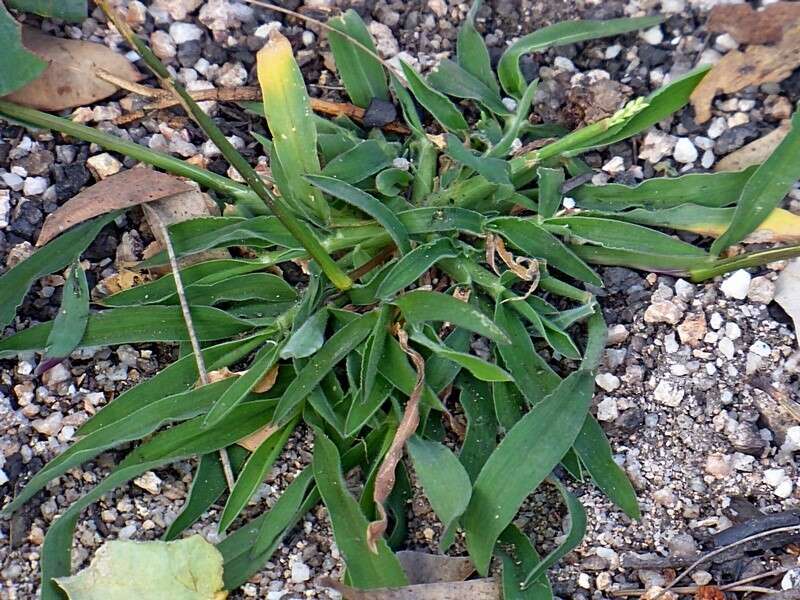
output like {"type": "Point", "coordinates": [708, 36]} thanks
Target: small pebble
{"type": "Point", "coordinates": [736, 285]}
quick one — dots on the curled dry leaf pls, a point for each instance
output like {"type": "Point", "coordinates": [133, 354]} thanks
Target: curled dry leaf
{"type": "Point", "coordinates": [755, 152]}
{"type": "Point", "coordinates": [749, 26]}
{"type": "Point", "coordinates": [123, 190]}
{"type": "Point", "coordinates": [787, 293]}
{"type": "Point", "coordinates": [709, 592]}
{"type": "Point", "coordinates": [254, 440]}
{"type": "Point", "coordinates": [70, 78]}
{"type": "Point", "coordinates": [738, 70]}
{"type": "Point", "coordinates": [384, 481]}
{"type": "Point", "coordinates": [421, 567]}
{"type": "Point", "coordinates": [124, 279]}
{"type": "Point", "coordinates": [267, 381]}
{"type": "Point", "coordinates": [474, 589]}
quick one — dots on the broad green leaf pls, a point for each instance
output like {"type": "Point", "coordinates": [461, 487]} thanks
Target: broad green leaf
{"type": "Point", "coordinates": [543, 436]}
{"type": "Point", "coordinates": [73, 315]}
{"type": "Point", "coordinates": [365, 569]}
{"type": "Point", "coordinates": [436, 103]}
{"type": "Point", "coordinates": [550, 182]}
{"type": "Point", "coordinates": [358, 163]}
{"type": "Point", "coordinates": [414, 264]}
{"type": "Point", "coordinates": [519, 557]}
{"type": "Point", "coordinates": [253, 473]}
{"type": "Point", "coordinates": [433, 220]}
{"type": "Point", "coordinates": [481, 437]}
{"type": "Point", "coordinates": [575, 533]}
{"type": "Point", "coordinates": [362, 74]}
{"type": "Point", "coordinates": [560, 34]}
{"type": "Point", "coordinates": [265, 287]}
{"type": "Point", "coordinates": [242, 386]}
{"type": "Point", "coordinates": [339, 345]}
{"type": "Point", "coordinates": [18, 66]}
{"type": "Point", "coordinates": [444, 480]}
{"type": "Point", "coordinates": [56, 255]}
{"type": "Point", "coordinates": [374, 351]}
{"type": "Point", "coordinates": [332, 145]}
{"type": "Point", "coordinates": [705, 189]}
{"type": "Point", "coordinates": [480, 369]}
{"type": "Point", "coordinates": [441, 372]}
{"type": "Point", "coordinates": [509, 404]}
{"type": "Point", "coordinates": [189, 569]}
{"type": "Point", "coordinates": [178, 377]}
{"type": "Point", "coordinates": [452, 79]}
{"type": "Point", "coordinates": [208, 484]}
{"type": "Point", "coordinates": [536, 242]}
{"type": "Point", "coordinates": [173, 444]}
{"type": "Point", "coordinates": [473, 55]}
{"type": "Point", "coordinates": [308, 337]}
{"type": "Point", "coordinates": [765, 189]}
{"type": "Point", "coordinates": [593, 449]}
{"type": "Point", "coordinates": [362, 410]}
{"type": "Point", "coordinates": [366, 203]}
{"type": "Point", "coordinates": [673, 264]}
{"type": "Point", "coordinates": [493, 169]}
{"type": "Point", "coordinates": [288, 112]}
{"type": "Point", "coordinates": [68, 10]}
{"type": "Point", "coordinates": [419, 306]}
{"type": "Point", "coordinates": [410, 114]}
{"type": "Point", "coordinates": [392, 182]}
{"type": "Point", "coordinates": [140, 423]}
{"type": "Point", "coordinates": [134, 324]}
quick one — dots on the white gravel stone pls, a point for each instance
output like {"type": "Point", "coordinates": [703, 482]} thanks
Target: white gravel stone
{"type": "Point", "coordinates": [668, 393]}
{"type": "Point", "coordinates": [726, 348]}
{"type": "Point", "coordinates": [13, 181]}
{"type": "Point", "coordinates": [162, 45]}
{"type": "Point", "coordinates": [717, 127]}
{"type": "Point", "coordinates": [607, 381]}
{"type": "Point", "coordinates": [614, 166]}
{"type": "Point", "coordinates": [50, 425]}
{"type": "Point", "coordinates": [232, 74]}
{"type": "Point", "coordinates": [725, 43]}
{"type": "Point", "coordinates": [5, 208]}
{"type": "Point", "coordinates": [103, 165]}
{"type": "Point", "coordinates": [656, 145]}
{"type": "Point", "coordinates": [149, 482]}
{"type": "Point", "coordinates": [673, 6]}
{"type": "Point", "coordinates": [617, 334]}
{"type": "Point", "coordinates": [564, 64]}
{"type": "Point", "coordinates": [385, 42]}
{"type": "Point", "coordinates": [685, 151]}
{"type": "Point", "coordinates": [439, 7]}
{"type": "Point", "coordinates": [663, 312]}
{"type": "Point", "coordinates": [263, 31]}
{"type": "Point", "coordinates": [761, 349]}
{"type": "Point", "coordinates": [34, 186]}
{"type": "Point", "coordinates": [55, 375]}
{"type": "Point", "coordinates": [736, 285]}
{"type": "Point", "coordinates": [761, 290]}
{"type": "Point", "coordinates": [707, 160]}
{"type": "Point", "coordinates": [613, 51]}
{"type": "Point", "coordinates": [653, 36]}
{"type": "Point", "coordinates": [300, 572]}
{"type": "Point", "coordinates": [184, 32]}
{"type": "Point", "coordinates": [719, 465]}
{"type": "Point", "coordinates": [733, 331]}
{"type": "Point", "coordinates": [607, 409]}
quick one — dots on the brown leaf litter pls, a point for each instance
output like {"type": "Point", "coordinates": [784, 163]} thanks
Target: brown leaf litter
{"type": "Point", "coordinates": [749, 26]}
{"type": "Point", "coordinates": [756, 151]}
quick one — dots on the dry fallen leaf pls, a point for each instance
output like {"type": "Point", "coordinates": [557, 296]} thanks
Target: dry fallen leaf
{"type": "Point", "coordinates": [474, 589]}
{"type": "Point", "coordinates": [709, 592]}
{"type": "Point", "coordinates": [125, 279]}
{"type": "Point", "coordinates": [738, 70]}
{"type": "Point", "coordinates": [70, 79]}
{"type": "Point", "coordinates": [125, 189]}
{"type": "Point", "coordinates": [755, 152]}
{"type": "Point", "coordinates": [787, 293]}
{"type": "Point", "coordinates": [267, 381]}
{"type": "Point", "coordinates": [749, 26]}
{"type": "Point", "coordinates": [219, 375]}
{"type": "Point", "coordinates": [254, 440]}
{"type": "Point", "coordinates": [421, 567]}
{"type": "Point", "coordinates": [779, 226]}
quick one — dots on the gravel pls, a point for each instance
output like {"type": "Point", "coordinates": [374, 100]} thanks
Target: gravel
{"type": "Point", "coordinates": [676, 392]}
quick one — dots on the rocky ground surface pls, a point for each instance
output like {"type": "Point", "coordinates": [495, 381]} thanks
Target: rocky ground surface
{"type": "Point", "coordinates": [680, 392]}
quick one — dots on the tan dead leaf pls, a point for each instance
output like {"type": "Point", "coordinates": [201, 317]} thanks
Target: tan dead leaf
{"type": "Point", "coordinates": [125, 279]}
{"type": "Point", "coordinates": [755, 152]}
{"type": "Point", "coordinates": [254, 440]}
{"type": "Point", "coordinates": [267, 381]}
{"type": "Point", "coordinates": [125, 189]}
{"type": "Point", "coordinates": [738, 70]}
{"type": "Point", "coordinates": [787, 293]}
{"type": "Point", "coordinates": [749, 26]}
{"type": "Point", "coordinates": [474, 589]}
{"type": "Point", "coordinates": [70, 79]}
{"type": "Point", "coordinates": [780, 226]}
{"type": "Point", "coordinates": [219, 374]}
{"type": "Point", "coordinates": [709, 592]}
{"type": "Point", "coordinates": [421, 567]}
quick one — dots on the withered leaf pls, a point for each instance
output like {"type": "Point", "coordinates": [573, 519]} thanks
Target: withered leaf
{"type": "Point", "coordinates": [738, 70]}
{"type": "Point", "coordinates": [123, 190]}
{"type": "Point", "coordinates": [70, 78]}
{"type": "Point", "coordinates": [474, 589]}
{"type": "Point", "coordinates": [749, 26]}
{"type": "Point", "coordinates": [254, 440]}
{"type": "Point", "coordinates": [421, 567]}
{"type": "Point", "coordinates": [755, 152]}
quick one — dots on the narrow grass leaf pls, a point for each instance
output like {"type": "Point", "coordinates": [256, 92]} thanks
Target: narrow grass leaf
{"type": "Point", "coordinates": [420, 306]}
{"type": "Point", "coordinates": [414, 264]}
{"type": "Point", "coordinates": [134, 324]}
{"type": "Point", "coordinates": [560, 34]}
{"type": "Point", "coordinates": [493, 169]}
{"type": "Point", "coordinates": [361, 73]}
{"type": "Point", "coordinates": [374, 351]}
{"type": "Point", "coordinates": [339, 345]}
{"type": "Point", "coordinates": [73, 315]}
{"type": "Point", "coordinates": [765, 189]}
{"type": "Point", "coordinates": [450, 78]}
{"type": "Point", "coordinates": [265, 287]}
{"type": "Point", "coordinates": [366, 203]}
{"type": "Point", "coordinates": [288, 112]}
{"type": "Point", "coordinates": [575, 533]}
{"type": "Point", "coordinates": [479, 368]}
{"type": "Point", "coordinates": [359, 162]}
{"type": "Point", "coordinates": [473, 55]}
{"type": "Point", "coordinates": [543, 435]}
{"type": "Point", "coordinates": [434, 219]}
{"type": "Point", "coordinates": [444, 481]}
{"type": "Point", "coordinates": [56, 255]}
{"type": "Point", "coordinates": [436, 103]}
{"type": "Point", "coordinates": [73, 11]}
{"type": "Point", "coordinates": [509, 404]}
{"type": "Point", "coordinates": [361, 411]}
{"type": "Point", "coordinates": [308, 337]}
{"type": "Point", "coordinates": [253, 473]}
{"type": "Point", "coordinates": [266, 358]}
{"type": "Point", "coordinates": [365, 569]}
{"type": "Point", "coordinates": [550, 182]}
{"type": "Point", "coordinates": [481, 437]}
{"type": "Point", "coordinates": [518, 558]}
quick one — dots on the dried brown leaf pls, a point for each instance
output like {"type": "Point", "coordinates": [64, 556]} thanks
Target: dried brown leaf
{"type": "Point", "coordinates": [709, 592]}
{"type": "Point", "coordinates": [749, 26]}
{"type": "Point", "coordinates": [755, 152]}
{"type": "Point", "coordinates": [385, 479]}
{"type": "Point", "coordinates": [254, 440]}
{"type": "Point", "coordinates": [70, 79]}
{"type": "Point", "coordinates": [474, 589]}
{"type": "Point", "coordinates": [738, 70]}
{"type": "Point", "coordinates": [267, 381]}
{"type": "Point", "coordinates": [421, 567]}
{"type": "Point", "coordinates": [123, 190]}
{"type": "Point", "coordinates": [220, 374]}
{"type": "Point", "coordinates": [125, 279]}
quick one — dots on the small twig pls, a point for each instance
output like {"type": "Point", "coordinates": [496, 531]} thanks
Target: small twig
{"type": "Point", "coordinates": [719, 551]}
{"type": "Point", "coordinates": [693, 589]}
{"type": "Point", "coordinates": [187, 317]}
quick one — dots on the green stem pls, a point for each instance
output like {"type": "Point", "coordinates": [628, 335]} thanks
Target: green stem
{"type": "Point", "coordinates": [751, 259]}
{"type": "Point", "coordinates": [299, 230]}
{"type": "Point", "coordinates": [37, 119]}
